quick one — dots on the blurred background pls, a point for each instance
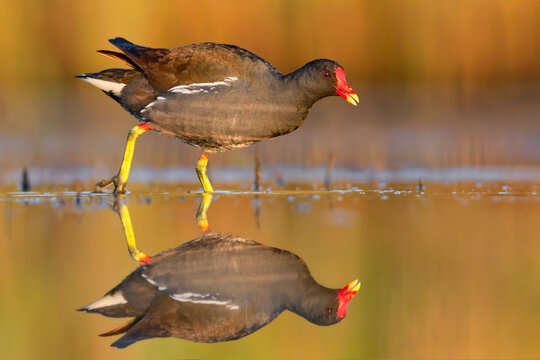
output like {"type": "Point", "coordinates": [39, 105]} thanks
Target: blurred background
{"type": "Point", "coordinates": [441, 83]}
{"type": "Point", "coordinates": [440, 163]}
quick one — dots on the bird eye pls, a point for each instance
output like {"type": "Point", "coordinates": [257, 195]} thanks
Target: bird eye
{"type": "Point", "coordinates": [328, 309]}
{"type": "Point", "coordinates": [326, 74]}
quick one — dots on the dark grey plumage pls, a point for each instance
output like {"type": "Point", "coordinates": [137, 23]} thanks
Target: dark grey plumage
{"type": "Point", "coordinates": [257, 101]}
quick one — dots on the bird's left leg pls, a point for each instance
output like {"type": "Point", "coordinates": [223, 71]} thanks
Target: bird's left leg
{"type": "Point", "coordinates": [120, 180]}
{"type": "Point", "coordinates": [123, 174]}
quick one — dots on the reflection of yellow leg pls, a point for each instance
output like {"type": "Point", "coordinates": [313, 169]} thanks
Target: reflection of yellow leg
{"type": "Point", "coordinates": [121, 179]}
{"type": "Point", "coordinates": [201, 173]}
{"type": "Point", "coordinates": [201, 217]}
{"type": "Point", "coordinates": [130, 236]}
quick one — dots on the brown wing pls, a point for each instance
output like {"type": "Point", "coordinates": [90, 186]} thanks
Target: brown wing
{"type": "Point", "coordinates": [195, 63]}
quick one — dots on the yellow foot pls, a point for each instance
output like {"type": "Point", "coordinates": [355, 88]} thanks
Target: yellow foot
{"type": "Point", "coordinates": [119, 186]}
{"type": "Point", "coordinates": [100, 186]}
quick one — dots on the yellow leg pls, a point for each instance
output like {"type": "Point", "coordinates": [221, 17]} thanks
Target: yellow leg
{"type": "Point", "coordinates": [121, 179]}
{"type": "Point", "coordinates": [123, 174]}
{"type": "Point", "coordinates": [130, 236]}
{"type": "Point", "coordinates": [202, 218]}
{"type": "Point", "coordinates": [201, 173]}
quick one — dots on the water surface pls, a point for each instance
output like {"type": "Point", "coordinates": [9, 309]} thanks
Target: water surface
{"type": "Point", "coordinates": [447, 270]}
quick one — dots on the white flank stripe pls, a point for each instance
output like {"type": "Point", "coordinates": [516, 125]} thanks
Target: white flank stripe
{"type": "Point", "coordinates": [160, 287]}
{"type": "Point", "coordinates": [202, 87]}
{"type": "Point", "coordinates": [191, 89]}
{"type": "Point", "coordinates": [187, 90]}
{"type": "Point", "coordinates": [203, 299]}
{"type": "Point", "coordinates": [159, 98]}
{"type": "Point", "coordinates": [109, 300]}
{"type": "Point", "coordinates": [194, 297]}
{"type": "Point", "coordinates": [115, 88]}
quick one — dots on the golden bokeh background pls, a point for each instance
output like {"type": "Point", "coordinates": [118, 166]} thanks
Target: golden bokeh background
{"type": "Point", "coordinates": [447, 273]}
{"type": "Point", "coordinates": [441, 83]}
{"type": "Point", "coordinates": [46, 42]}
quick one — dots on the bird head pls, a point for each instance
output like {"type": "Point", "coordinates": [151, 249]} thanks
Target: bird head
{"type": "Point", "coordinates": [326, 78]}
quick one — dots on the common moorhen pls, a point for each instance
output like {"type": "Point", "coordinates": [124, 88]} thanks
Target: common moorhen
{"type": "Point", "coordinates": [218, 287]}
{"type": "Point", "coordinates": [216, 97]}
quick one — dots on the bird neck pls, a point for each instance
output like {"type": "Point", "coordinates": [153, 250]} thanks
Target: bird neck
{"type": "Point", "coordinates": [292, 97]}
{"type": "Point", "coordinates": [308, 298]}
{"type": "Point", "coordinates": [295, 86]}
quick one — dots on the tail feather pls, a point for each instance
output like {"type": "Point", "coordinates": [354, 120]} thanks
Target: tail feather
{"type": "Point", "coordinates": [119, 57]}
{"type": "Point", "coordinates": [140, 55]}
{"type": "Point", "coordinates": [122, 328]}
{"type": "Point", "coordinates": [127, 46]}
{"type": "Point", "coordinates": [140, 330]}
{"type": "Point", "coordinates": [125, 341]}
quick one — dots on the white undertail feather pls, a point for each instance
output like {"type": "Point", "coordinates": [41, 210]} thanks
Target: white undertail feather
{"type": "Point", "coordinates": [108, 300]}
{"type": "Point", "coordinates": [109, 86]}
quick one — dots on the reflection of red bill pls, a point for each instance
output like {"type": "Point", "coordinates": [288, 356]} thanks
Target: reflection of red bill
{"type": "Point", "coordinates": [345, 295]}
{"type": "Point", "coordinates": [343, 89]}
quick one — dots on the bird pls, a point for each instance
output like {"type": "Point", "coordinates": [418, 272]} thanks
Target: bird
{"type": "Point", "coordinates": [218, 287]}
{"type": "Point", "coordinates": [216, 97]}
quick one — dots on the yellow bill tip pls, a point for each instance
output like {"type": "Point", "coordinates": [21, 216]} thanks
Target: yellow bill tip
{"type": "Point", "coordinates": [353, 99]}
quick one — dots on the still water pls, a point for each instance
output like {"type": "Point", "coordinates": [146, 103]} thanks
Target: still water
{"type": "Point", "coordinates": [447, 270]}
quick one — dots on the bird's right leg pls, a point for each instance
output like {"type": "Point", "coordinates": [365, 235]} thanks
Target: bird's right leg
{"type": "Point", "coordinates": [135, 253]}
{"type": "Point", "coordinates": [121, 179]}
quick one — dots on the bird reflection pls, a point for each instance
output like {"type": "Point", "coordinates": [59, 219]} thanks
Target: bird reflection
{"type": "Point", "coordinates": [217, 287]}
